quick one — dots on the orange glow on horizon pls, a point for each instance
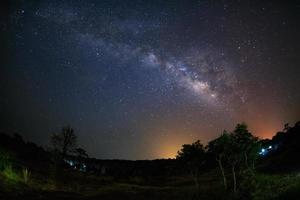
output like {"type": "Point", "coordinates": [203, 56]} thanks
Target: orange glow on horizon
{"type": "Point", "coordinates": [265, 130]}
{"type": "Point", "coordinates": [169, 144]}
{"type": "Point", "coordinates": [169, 151]}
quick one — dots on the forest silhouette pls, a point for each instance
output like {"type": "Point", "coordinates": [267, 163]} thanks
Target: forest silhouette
{"type": "Point", "coordinates": [235, 165]}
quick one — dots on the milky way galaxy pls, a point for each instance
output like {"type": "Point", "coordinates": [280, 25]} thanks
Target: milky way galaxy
{"type": "Point", "coordinates": [137, 79]}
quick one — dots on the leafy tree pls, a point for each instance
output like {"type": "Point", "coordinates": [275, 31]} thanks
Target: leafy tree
{"type": "Point", "coordinates": [193, 157]}
{"type": "Point", "coordinates": [234, 157]}
{"type": "Point", "coordinates": [219, 148]}
{"type": "Point", "coordinates": [243, 149]}
{"type": "Point", "coordinates": [247, 144]}
{"type": "Point", "coordinates": [238, 149]}
{"type": "Point", "coordinates": [287, 127]}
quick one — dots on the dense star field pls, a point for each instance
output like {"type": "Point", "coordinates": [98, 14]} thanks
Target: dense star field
{"type": "Point", "coordinates": [137, 79]}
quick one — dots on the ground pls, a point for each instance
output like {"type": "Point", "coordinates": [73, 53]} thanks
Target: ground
{"type": "Point", "coordinates": [78, 185]}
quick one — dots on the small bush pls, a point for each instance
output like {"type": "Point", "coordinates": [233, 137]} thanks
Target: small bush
{"type": "Point", "coordinates": [10, 174]}
{"type": "Point", "coordinates": [4, 159]}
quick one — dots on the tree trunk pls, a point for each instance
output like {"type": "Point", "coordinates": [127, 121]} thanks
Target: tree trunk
{"type": "Point", "coordinates": [196, 179]}
{"type": "Point", "coordinates": [234, 178]}
{"type": "Point", "coordinates": [64, 152]}
{"type": "Point", "coordinates": [223, 173]}
{"type": "Point", "coordinates": [197, 185]}
{"type": "Point", "coordinates": [246, 160]}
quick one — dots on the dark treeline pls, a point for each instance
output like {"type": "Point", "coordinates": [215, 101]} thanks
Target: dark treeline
{"type": "Point", "coordinates": [234, 157]}
{"type": "Point", "coordinates": [284, 143]}
{"type": "Point", "coordinates": [14, 149]}
{"type": "Point", "coordinates": [285, 156]}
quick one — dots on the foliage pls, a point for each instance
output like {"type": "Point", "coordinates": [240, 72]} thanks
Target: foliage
{"type": "Point", "coordinates": [193, 157]}
{"type": "Point", "coordinates": [219, 148]}
{"type": "Point", "coordinates": [238, 150]}
{"type": "Point", "coordinates": [5, 159]}
{"type": "Point", "coordinates": [191, 152]}
{"type": "Point", "coordinates": [81, 153]}
{"type": "Point", "coordinates": [285, 149]}
{"type": "Point", "coordinates": [10, 174]}
{"type": "Point", "coordinates": [246, 144]}
{"type": "Point", "coordinates": [275, 186]}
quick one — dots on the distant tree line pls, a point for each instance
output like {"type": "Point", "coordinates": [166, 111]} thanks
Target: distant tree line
{"type": "Point", "coordinates": [233, 156]}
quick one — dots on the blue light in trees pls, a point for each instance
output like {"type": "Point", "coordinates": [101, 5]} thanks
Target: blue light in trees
{"type": "Point", "coordinates": [70, 162]}
{"type": "Point", "coordinates": [265, 151]}
{"type": "Point", "coordinates": [262, 152]}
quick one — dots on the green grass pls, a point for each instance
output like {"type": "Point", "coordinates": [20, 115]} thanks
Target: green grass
{"type": "Point", "coordinates": [77, 185]}
{"type": "Point", "coordinates": [10, 174]}
{"type": "Point", "coordinates": [276, 186]}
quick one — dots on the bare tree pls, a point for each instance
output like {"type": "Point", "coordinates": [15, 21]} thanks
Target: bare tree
{"type": "Point", "coordinates": [64, 142]}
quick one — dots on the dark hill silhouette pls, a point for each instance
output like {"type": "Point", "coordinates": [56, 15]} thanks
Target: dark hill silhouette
{"type": "Point", "coordinates": [285, 156]}
{"type": "Point", "coordinates": [27, 154]}
{"type": "Point", "coordinates": [28, 168]}
{"type": "Point", "coordinates": [22, 153]}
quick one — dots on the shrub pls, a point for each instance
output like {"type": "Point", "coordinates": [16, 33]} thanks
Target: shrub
{"type": "Point", "coordinates": [10, 174]}
{"type": "Point", "coordinates": [4, 159]}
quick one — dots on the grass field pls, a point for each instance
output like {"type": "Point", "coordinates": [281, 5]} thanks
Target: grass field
{"type": "Point", "coordinates": [77, 185]}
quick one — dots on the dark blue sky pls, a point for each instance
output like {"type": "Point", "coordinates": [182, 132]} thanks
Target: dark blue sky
{"type": "Point", "coordinates": [137, 79]}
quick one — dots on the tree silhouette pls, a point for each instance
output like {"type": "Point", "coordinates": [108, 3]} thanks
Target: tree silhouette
{"type": "Point", "coordinates": [236, 149]}
{"type": "Point", "coordinates": [81, 153]}
{"type": "Point", "coordinates": [64, 142]}
{"type": "Point", "coordinates": [248, 145]}
{"type": "Point", "coordinates": [243, 148]}
{"type": "Point", "coordinates": [285, 149]}
{"type": "Point", "coordinates": [219, 148]}
{"type": "Point", "coordinates": [193, 157]}
{"type": "Point", "coordinates": [81, 156]}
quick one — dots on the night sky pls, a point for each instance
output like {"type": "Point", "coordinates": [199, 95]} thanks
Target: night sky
{"type": "Point", "coordinates": [137, 79]}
